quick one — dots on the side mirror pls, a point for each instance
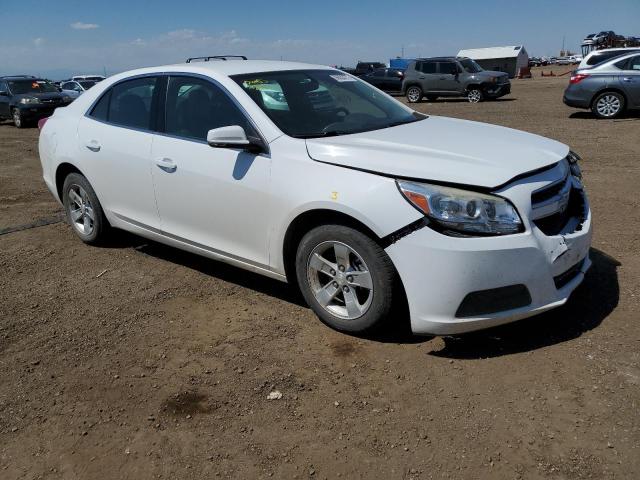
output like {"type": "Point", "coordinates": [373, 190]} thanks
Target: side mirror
{"type": "Point", "coordinates": [232, 136]}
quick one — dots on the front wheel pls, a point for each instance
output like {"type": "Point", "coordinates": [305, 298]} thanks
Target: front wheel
{"type": "Point", "coordinates": [18, 121]}
{"type": "Point", "coordinates": [414, 94]}
{"type": "Point", "coordinates": [474, 95]}
{"type": "Point", "coordinates": [608, 105]}
{"type": "Point", "coordinates": [83, 209]}
{"type": "Point", "coordinates": [346, 278]}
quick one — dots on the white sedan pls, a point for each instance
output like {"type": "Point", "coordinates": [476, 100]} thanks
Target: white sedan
{"type": "Point", "coordinates": [306, 174]}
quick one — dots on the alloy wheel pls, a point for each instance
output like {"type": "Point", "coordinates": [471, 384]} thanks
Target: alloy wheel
{"type": "Point", "coordinates": [608, 105]}
{"type": "Point", "coordinates": [340, 280]}
{"type": "Point", "coordinates": [81, 210]}
{"type": "Point", "coordinates": [17, 118]}
{"type": "Point", "coordinates": [413, 94]}
{"type": "Point", "coordinates": [474, 96]}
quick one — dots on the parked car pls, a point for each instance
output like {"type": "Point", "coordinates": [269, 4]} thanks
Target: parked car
{"type": "Point", "coordinates": [364, 204]}
{"type": "Point", "coordinates": [76, 88]}
{"type": "Point", "coordinates": [599, 56]}
{"type": "Point", "coordinates": [26, 99]}
{"type": "Point", "coordinates": [453, 77]}
{"type": "Point", "coordinates": [366, 67]}
{"type": "Point", "coordinates": [535, 62]}
{"type": "Point", "coordinates": [563, 61]}
{"type": "Point", "coordinates": [608, 89]}
{"type": "Point", "coordinates": [386, 79]}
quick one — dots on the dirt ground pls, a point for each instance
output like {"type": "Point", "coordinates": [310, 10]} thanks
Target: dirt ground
{"type": "Point", "coordinates": [138, 361]}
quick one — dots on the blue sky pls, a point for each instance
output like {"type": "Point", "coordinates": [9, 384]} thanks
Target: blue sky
{"type": "Point", "coordinates": [61, 37]}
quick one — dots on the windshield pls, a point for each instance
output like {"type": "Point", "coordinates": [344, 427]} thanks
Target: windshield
{"type": "Point", "coordinates": [20, 87]}
{"type": "Point", "coordinates": [322, 103]}
{"type": "Point", "coordinates": [87, 85]}
{"type": "Point", "coordinates": [470, 66]}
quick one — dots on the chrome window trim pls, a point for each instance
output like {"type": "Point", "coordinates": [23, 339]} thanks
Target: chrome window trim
{"type": "Point", "coordinates": [206, 78]}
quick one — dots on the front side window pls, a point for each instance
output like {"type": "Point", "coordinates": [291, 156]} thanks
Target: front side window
{"type": "Point", "coordinates": [195, 106]}
{"type": "Point", "coordinates": [87, 84]}
{"type": "Point", "coordinates": [320, 103]}
{"type": "Point", "coordinates": [21, 87]}
{"type": "Point", "coordinates": [448, 68]}
{"type": "Point", "coordinates": [127, 104]}
{"type": "Point", "coordinates": [633, 64]}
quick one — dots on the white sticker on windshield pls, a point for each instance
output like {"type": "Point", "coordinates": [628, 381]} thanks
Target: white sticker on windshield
{"type": "Point", "coordinates": [343, 78]}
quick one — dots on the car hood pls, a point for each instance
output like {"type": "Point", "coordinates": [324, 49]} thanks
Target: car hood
{"type": "Point", "coordinates": [487, 74]}
{"type": "Point", "coordinates": [442, 149]}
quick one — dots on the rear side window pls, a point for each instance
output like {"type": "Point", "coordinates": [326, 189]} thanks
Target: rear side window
{"type": "Point", "coordinates": [601, 57]}
{"type": "Point", "coordinates": [632, 63]}
{"type": "Point", "coordinates": [101, 109]}
{"type": "Point", "coordinates": [427, 67]}
{"type": "Point", "coordinates": [195, 106]}
{"type": "Point", "coordinates": [127, 104]}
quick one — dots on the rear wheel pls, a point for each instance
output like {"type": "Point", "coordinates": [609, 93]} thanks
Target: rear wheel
{"type": "Point", "coordinates": [414, 94]}
{"type": "Point", "coordinates": [346, 278]}
{"type": "Point", "coordinates": [474, 95]}
{"type": "Point", "coordinates": [608, 105]}
{"type": "Point", "coordinates": [83, 209]}
{"type": "Point", "coordinates": [18, 121]}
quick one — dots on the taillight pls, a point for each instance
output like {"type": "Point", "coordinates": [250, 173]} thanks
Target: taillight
{"type": "Point", "coordinates": [41, 122]}
{"type": "Point", "coordinates": [577, 78]}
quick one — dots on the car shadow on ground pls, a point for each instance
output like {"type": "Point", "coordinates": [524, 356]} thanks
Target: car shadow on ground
{"type": "Point", "coordinates": [629, 115]}
{"type": "Point", "coordinates": [587, 308]}
{"type": "Point", "coordinates": [464, 100]}
{"type": "Point", "coordinates": [589, 305]}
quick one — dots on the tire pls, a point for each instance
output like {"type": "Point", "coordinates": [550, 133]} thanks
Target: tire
{"type": "Point", "coordinates": [608, 105]}
{"type": "Point", "coordinates": [432, 98]}
{"type": "Point", "coordinates": [475, 95]}
{"type": "Point", "coordinates": [414, 94]}
{"type": "Point", "coordinates": [356, 303]}
{"type": "Point", "coordinates": [17, 118]}
{"type": "Point", "coordinates": [83, 210]}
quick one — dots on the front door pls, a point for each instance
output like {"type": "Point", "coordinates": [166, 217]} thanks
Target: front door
{"type": "Point", "coordinates": [4, 100]}
{"type": "Point", "coordinates": [212, 198]}
{"type": "Point", "coordinates": [448, 78]}
{"type": "Point", "coordinates": [630, 81]}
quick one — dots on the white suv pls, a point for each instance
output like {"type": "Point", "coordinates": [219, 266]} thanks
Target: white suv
{"type": "Point", "coordinates": [306, 174]}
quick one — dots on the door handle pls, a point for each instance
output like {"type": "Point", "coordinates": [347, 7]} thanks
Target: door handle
{"type": "Point", "coordinates": [442, 78]}
{"type": "Point", "coordinates": [93, 145]}
{"type": "Point", "coordinates": [422, 77]}
{"type": "Point", "coordinates": [627, 79]}
{"type": "Point", "coordinates": [166, 165]}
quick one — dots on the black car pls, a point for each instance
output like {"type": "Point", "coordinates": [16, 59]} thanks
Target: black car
{"type": "Point", "coordinates": [26, 99]}
{"type": "Point", "coordinates": [386, 79]}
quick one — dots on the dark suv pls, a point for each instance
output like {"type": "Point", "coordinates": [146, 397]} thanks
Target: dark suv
{"type": "Point", "coordinates": [453, 77]}
{"type": "Point", "coordinates": [26, 99]}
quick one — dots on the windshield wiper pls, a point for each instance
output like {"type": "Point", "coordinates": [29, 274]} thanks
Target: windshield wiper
{"type": "Point", "coordinates": [330, 133]}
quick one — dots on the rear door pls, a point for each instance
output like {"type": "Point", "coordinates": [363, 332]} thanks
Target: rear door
{"type": "Point", "coordinates": [377, 78]}
{"type": "Point", "coordinates": [428, 75]}
{"type": "Point", "coordinates": [448, 78]}
{"type": "Point", "coordinates": [630, 80]}
{"type": "Point", "coordinates": [115, 150]}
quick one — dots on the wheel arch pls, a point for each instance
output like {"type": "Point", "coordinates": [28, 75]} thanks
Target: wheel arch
{"type": "Point", "coordinates": [609, 89]}
{"type": "Point", "coordinates": [310, 219]}
{"type": "Point", "coordinates": [62, 171]}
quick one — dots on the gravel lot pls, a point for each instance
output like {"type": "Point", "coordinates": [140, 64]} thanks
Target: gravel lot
{"type": "Point", "coordinates": [139, 361]}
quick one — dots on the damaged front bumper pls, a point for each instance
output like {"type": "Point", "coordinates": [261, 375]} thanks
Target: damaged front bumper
{"type": "Point", "coordinates": [457, 285]}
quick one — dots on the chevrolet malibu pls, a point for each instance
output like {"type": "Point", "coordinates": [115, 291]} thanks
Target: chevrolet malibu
{"type": "Point", "coordinates": [309, 175]}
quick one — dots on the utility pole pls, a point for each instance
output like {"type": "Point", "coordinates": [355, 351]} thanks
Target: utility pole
{"type": "Point", "coordinates": [402, 50]}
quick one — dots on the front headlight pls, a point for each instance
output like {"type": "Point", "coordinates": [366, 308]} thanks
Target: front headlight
{"type": "Point", "coordinates": [29, 100]}
{"type": "Point", "coordinates": [462, 211]}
